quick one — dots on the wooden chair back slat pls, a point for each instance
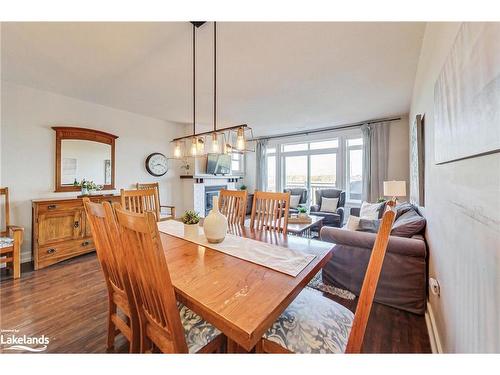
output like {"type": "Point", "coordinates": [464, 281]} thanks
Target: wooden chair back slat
{"type": "Point", "coordinates": [369, 287]}
{"type": "Point", "coordinates": [232, 204]}
{"type": "Point", "coordinates": [270, 211]}
{"type": "Point", "coordinates": [5, 193]}
{"type": "Point", "coordinates": [150, 279]}
{"type": "Point", "coordinates": [140, 201]}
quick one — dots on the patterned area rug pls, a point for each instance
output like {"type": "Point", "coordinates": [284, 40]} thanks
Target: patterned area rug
{"type": "Point", "coordinates": [317, 283]}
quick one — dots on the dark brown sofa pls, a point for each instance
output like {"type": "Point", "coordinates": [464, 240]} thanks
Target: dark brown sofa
{"type": "Point", "coordinates": [403, 281]}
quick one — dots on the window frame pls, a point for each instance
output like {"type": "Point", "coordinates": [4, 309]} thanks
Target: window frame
{"type": "Point", "coordinates": [342, 156]}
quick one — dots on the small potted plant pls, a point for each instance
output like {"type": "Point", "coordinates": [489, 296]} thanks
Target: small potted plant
{"type": "Point", "coordinates": [191, 221]}
{"type": "Point", "coordinates": [302, 211]}
{"type": "Point", "coordinates": [88, 187]}
{"type": "Point", "coordinates": [243, 187]}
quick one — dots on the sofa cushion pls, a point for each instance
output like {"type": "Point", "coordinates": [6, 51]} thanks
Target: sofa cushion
{"type": "Point", "coordinates": [402, 208]}
{"type": "Point", "coordinates": [294, 201]}
{"type": "Point", "coordinates": [370, 226]}
{"type": "Point", "coordinates": [408, 224]}
{"type": "Point", "coordinates": [329, 204]}
{"type": "Point", "coordinates": [371, 211]}
{"type": "Point", "coordinates": [352, 223]}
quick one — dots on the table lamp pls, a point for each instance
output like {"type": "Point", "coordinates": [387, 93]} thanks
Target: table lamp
{"type": "Point", "coordinates": [395, 189]}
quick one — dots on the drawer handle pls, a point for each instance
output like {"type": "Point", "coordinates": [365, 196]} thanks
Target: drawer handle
{"type": "Point", "coordinates": [77, 224]}
{"type": "Point", "coordinates": [51, 251]}
{"type": "Point", "coordinates": [85, 243]}
{"type": "Point", "coordinates": [52, 207]}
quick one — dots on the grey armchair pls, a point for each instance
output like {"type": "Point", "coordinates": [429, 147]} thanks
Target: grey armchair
{"type": "Point", "coordinates": [331, 219]}
{"type": "Point", "coordinates": [303, 197]}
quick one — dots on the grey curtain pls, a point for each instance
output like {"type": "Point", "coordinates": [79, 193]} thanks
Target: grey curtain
{"type": "Point", "coordinates": [375, 159]}
{"type": "Point", "coordinates": [261, 165]}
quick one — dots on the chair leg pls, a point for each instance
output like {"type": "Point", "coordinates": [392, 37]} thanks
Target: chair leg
{"type": "Point", "coordinates": [111, 325]}
{"type": "Point", "coordinates": [17, 260]}
{"type": "Point", "coordinates": [135, 341]}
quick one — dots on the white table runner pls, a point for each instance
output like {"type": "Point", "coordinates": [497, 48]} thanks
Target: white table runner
{"type": "Point", "coordinates": [278, 258]}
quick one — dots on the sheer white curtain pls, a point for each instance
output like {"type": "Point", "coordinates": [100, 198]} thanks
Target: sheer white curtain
{"type": "Point", "coordinates": [375, 159]}
{"type": "Point", "coordinates": [261, 165]}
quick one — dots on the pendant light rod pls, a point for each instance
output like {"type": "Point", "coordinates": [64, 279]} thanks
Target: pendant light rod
{"type": "Point", "coordinates": [215, 76]}
{"type": "Point", "coordinates": [194, 78]}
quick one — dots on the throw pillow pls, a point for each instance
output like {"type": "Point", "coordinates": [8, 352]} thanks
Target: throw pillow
{"type": "Point", "coordinates": [408, 224]}
{"type": "Point", "coordinates": [329, 204]}
{"type": "Point", "coordinates": [352, 223]}
{"type": "Point", "coordinates": [370, 211]}
{"type": "Point", "coordinates": [370, 226]}
{"type": "Point", "coordinates": [402, 208]}
{"type": "Point", "coordinates": [294, 201]}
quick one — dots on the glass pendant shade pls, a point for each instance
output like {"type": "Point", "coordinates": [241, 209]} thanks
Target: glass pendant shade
{"type": "Point", "coordinates": [200, 146]}
{"type": "Point", "coordinates": [194, 148]}
{"type": "Point", "coordinates": [240, 140]}
{"type": "Point", "coordinates": [215, 143]}
{"type": "Point", "coordinates": [177, 150]}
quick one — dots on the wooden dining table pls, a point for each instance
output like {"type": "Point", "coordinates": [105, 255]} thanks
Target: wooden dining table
{"type": "Point", "coordinates": [240, 298]}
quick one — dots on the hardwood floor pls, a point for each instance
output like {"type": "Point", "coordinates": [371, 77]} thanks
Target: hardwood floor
{"type": "Point", "coordinates": [68, 303]}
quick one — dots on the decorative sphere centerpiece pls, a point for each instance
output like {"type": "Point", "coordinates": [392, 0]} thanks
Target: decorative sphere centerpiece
{"type": "Point", "coordinates": [215, 224]}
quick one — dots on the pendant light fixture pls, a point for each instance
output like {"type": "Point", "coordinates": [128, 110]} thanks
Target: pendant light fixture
{"type": "Point", "coordinates": [218, 136]}
{"type": "Point", "coordinates": [194, 145]}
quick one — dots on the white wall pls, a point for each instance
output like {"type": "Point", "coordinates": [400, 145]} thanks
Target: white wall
{"type": "Point", "coordinates": [28, 147]}
{"type": "Point", "coordinates": [398, 167]}
{"type": "Point", "coordinates": [462, 207]}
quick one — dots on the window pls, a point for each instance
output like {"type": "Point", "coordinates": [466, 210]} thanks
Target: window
{"type": "Point", "coordinates": [295, 147]}
{"type": "Point", "coordinates": [323, 173]}
{"type": "Point", "coordinates": [237, 163]}
{"type": "Point", "coordinates": [295, 171]}
{"type": "Point", "coordinates": [354, 169]}
{"type": "Point", "coordinates": [271, 173]}
{"type": "Point", "coordinates": [333, 143]}
{"type": "Point", "coordinates": [328, 162]}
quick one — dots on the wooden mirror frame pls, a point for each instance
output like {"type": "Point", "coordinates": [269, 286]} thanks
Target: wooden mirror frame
{"type": "Point", "coordinates": [67, 132]}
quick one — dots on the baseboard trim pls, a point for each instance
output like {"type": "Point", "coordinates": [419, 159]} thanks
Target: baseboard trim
{"type": "Point", "coordinates": [432, 331]}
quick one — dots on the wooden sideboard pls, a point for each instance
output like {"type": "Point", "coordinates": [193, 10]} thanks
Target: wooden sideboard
{"type": "Point", "coordinates": [60, 229]}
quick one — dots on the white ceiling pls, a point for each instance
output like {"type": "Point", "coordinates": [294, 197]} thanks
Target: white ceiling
{"type": "Point", "coordinates": [277, 77]}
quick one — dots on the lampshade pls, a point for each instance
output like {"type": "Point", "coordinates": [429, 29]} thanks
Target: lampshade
{"type": "Point", "coordinates": [395, 188]}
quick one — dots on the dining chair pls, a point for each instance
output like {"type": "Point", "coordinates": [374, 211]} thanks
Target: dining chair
{"type": "Point", "coordinates": [110, 254]}
{"type": "Point", "coordinates": [316, 324]}
{"type": "Point", "coordinates": [270, 211]}
{"type": "Point", "coordinates": [166, 325]}
{"type": "Point", "coordinates": [140, 201]}
{"type": "Point", "coordinates": [232, 204]}
{"type": "Point", "coordinates": [11, 239]}
{"type": "Point", "coordinates": [156, 185]}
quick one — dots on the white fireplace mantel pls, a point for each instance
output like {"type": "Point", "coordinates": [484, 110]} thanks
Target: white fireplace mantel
{"type": "Point", "coordinates": [194, 189]}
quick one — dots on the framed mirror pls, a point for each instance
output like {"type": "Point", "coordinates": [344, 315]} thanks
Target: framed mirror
{"type": "Point", "coordinates": [84, 154]}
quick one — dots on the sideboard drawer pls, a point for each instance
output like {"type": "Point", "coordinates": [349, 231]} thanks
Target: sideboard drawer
{"type": "Point", "coordinates": [57, 206]}
{"type": "Point", "coordinates": [64, 250]}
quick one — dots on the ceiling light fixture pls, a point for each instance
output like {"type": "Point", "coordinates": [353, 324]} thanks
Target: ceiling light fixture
{"type": "Point", "coordinates": [218, 145]}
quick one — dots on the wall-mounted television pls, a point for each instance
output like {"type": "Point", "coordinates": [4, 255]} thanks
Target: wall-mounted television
{"type": "Point", "coordinates": [218, 164]}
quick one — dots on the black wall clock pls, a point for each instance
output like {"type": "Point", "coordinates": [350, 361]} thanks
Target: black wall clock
{"type": "Point", "coordinates": [157, 164]}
